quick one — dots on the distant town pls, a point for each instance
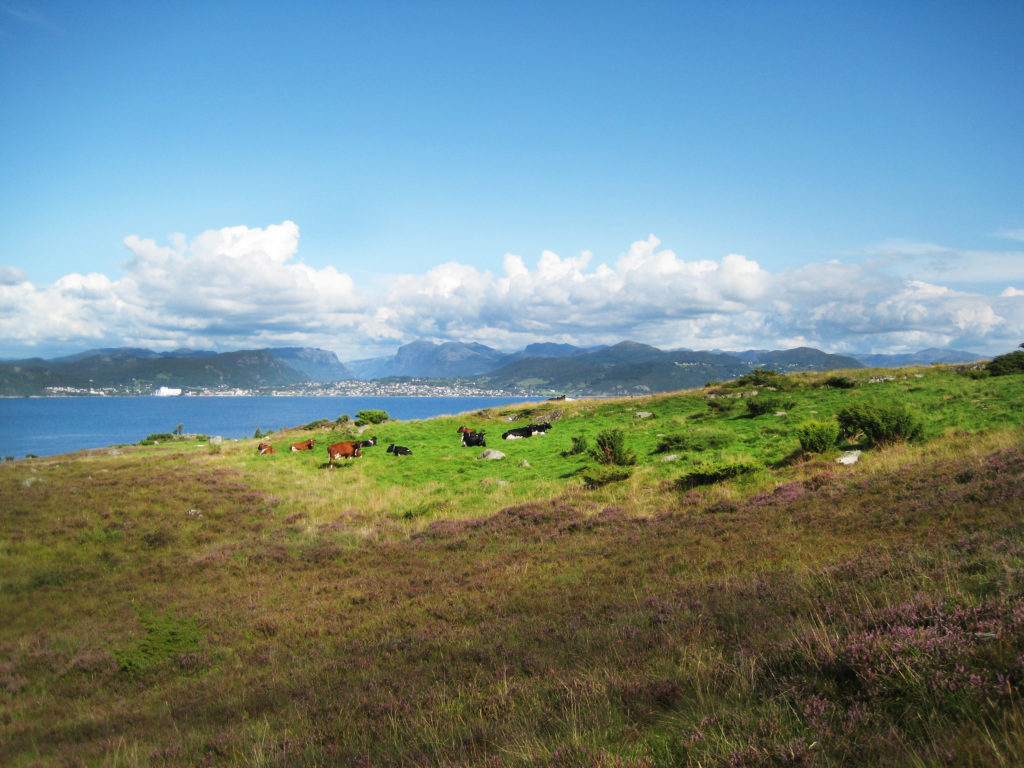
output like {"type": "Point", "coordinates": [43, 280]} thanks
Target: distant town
{"type": "Point", "coordinates": [347, 388]}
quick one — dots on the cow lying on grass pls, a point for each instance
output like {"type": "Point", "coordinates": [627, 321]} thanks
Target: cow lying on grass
{"type": "Point", "coordinates": [399, 450]}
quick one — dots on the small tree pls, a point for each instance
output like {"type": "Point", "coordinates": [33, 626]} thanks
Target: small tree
{"type": "Point", "coordinates": [257, 433]}
{"type": "Point", "coordinates": [610, 448]}
{"type": "Point", "coordinates": [178, 429]}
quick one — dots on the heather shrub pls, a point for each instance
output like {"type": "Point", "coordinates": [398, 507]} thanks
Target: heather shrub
{"type": "Point", "coordinates": [881, 425]}
{"type": "Point", "coordinates": [710, 472]}
{"type": "Point", "coordinates": [817, 436]}
{"type": "Point", "coordinates": [610, 448]}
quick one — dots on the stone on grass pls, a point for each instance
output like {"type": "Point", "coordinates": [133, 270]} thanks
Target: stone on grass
{"type": "Point", "coordinates": [491, 455]}
{"type": "Point", "coordinates": [848, 458]}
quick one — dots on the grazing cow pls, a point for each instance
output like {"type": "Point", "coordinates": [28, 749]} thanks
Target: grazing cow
{"type": "Point", "coordinates": [516, 434]}
{"type": "Point", "coordinates": [345, 450]}
{"type": "Point", "coordinates": [265, 448]}
{"type": "Point", "coordinates": [399, 450]}
{"type": "Point", "coordinates": [472, 438]}
{"type": "Point", "coordinates": [305, 445]}
{"type": "Point", "coordinates": [367, 443]}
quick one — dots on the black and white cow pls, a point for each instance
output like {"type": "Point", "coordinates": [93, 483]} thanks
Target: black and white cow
{"type": "Point", "coordinates": [473, 439]}
{"type": "Point", "coordinates": [516, 434]}
{"type": "Point", "coordinates": [399, 450]}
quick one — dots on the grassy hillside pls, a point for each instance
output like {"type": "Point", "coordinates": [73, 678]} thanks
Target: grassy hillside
{"type": "Point", "coordinates": [186, 604]}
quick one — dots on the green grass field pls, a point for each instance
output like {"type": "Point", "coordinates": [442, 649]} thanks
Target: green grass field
{"type": "Point", "coordinates": [732, 600]}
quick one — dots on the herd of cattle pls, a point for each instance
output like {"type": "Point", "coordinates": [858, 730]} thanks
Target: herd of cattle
{"type": "Point", "coordinates": [352, 449]}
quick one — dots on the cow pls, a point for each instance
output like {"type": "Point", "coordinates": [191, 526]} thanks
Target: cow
{"type": "Point", "coordinates": [516, 434]}
{"type": "Point", "coordinates": [367, 443]}
{"type": "Point", "coordinates": [540, 429]}
{"type": "Point", "coordinates": [472, 438]}
{"type": "Point", "coordinates": [265, 448]}
{"type": "Point", "coordinates": [344, 450]}
{"type": "Point", "coordinates": [399, 450]}
{"type": "Point", "coordinates": [464, 431]}
{"type": "Point", "coordinates": [305, 445]}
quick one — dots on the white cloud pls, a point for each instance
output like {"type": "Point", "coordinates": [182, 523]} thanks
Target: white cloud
{"type": "Point", "coordinates": [243, 287]}
{"type": "Point", "coordinates": [937, 263]}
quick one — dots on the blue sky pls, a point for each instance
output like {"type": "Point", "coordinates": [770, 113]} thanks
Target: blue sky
{"type": "Point", "coordinates": [355, 176]}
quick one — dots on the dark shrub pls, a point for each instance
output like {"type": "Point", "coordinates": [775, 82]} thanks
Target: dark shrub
{"type": "Point", "coordinates": [610, 448]}
{"type": "Point", "coordinates": [840, 382]}
{"type": "Point", "coordinates": [693, 441]}
{"type": "Point", "coordinates": [817, 436]}
{"type": "Point", "coordinates": [710, 472]}
{"type": "Point", "coordinates": [1003, 365]}
{"type": "Point", "coordinates": [721, 404]}
{"type": "Point", "coordinates": [881, 425]}
{"type": "Point", "coordinates": [579, 445]}
{"type": "Point", "coordinates": [762, 404]}
{"type": "Point", "coordinates": [764, 377]}
{"type": "Point", "coordinates": [371, 417]}
{"type": "Point", "coordinates": [598, 476]}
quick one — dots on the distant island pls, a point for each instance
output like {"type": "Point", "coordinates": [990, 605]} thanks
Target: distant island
{"type": "Point", "coordinates": [421, 368]}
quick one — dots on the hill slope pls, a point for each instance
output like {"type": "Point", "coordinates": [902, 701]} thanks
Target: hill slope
{"type": "Point", "coordinates": [205, 605]}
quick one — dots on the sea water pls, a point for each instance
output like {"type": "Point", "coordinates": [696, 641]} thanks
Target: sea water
{"type": "Point", "coordinates": [47, 426]}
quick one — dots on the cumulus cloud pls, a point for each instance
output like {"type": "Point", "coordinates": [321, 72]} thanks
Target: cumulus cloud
{"type": "Point", "coordinates": [245, 287]}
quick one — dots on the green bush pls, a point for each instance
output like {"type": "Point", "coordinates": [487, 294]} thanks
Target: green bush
{"type": "Point", "coordinates": [721, 405]}
{"type": "Point", "coordinates": [840, 382]}
{"type": "Point", "coordinates": [881, 425]}
{"type": "Point", "coordinates": [693, 441]}
{"type": "Point", "coordinates": [762, 404]}
{"type": "Point", "coordinates": [817, 436]}
{"type": "Point", "coordinates": [371, 417]}
{"type": "Point", "coordinates": [764, 377]}
{"type": "Point", "coordinates": [598, 476]}
{"type": "Point", "coordinates": [1002, 365]}
{"type": "Point", "coordinates": [165, 635]}
{"type": "Point", "coordinates": [157, 437]}
{"type": "Point", "coordinates": [579, 445]}
{"type": "Point", "coordinates": [709, 472]}
{"type": "Point", "coordinates": [610, 448]}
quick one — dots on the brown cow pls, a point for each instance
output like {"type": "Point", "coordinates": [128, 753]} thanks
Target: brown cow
{"type": "Point", "coordinates": [346, 450]}
{"type": "Point", "coordinates": [305, 445]}
{"type": "Point", "coordinates": [265, 448]}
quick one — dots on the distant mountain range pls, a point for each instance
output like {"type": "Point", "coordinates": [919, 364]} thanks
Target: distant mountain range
{"type": "Point", "coordinates": [624, 368]}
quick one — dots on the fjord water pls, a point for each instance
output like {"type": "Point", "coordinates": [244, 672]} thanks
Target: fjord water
{"type": "Point", "coordinates": [53, 425]}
